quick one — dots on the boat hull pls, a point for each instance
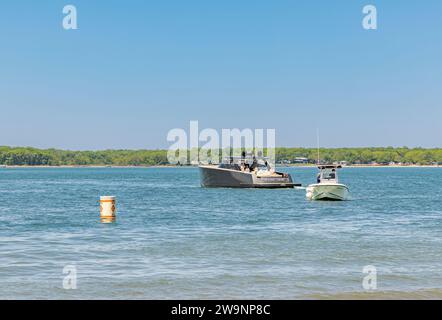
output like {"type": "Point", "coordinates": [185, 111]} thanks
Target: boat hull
{"type": "Point", "coordinates": [212, 176]}
{"type": "Point", "coordinates": [324, 191]}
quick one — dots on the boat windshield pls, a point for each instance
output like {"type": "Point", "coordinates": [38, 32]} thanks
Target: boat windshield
{"type": "Point", "coordinates": [328, 174]}
{"type": "Point", "coordinates": [245, 163]}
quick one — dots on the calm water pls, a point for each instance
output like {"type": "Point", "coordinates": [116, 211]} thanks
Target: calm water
{"type": "Point", "coordinates": [173, 239]}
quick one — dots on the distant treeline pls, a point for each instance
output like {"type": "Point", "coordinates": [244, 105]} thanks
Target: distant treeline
{"type": "Point", "coordinates": [386, 155]}
{"type": "Point", "coordinates": [54, 157]}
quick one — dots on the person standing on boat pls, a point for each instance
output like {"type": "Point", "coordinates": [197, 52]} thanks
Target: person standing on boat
{"type": "Point", "coordinates": [254, 164]}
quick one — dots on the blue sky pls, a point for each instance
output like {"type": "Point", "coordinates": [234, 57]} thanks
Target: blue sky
{"type": "Point", "coordinates": [136, 69]}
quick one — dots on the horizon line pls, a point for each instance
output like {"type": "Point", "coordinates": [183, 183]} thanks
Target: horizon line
{"type": "Point", "coordinates": [166, 149]}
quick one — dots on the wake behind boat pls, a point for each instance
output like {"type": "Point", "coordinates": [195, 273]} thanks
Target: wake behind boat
{"type": "Point", "coordinates": [244, 172]}
{"type": "Point", "coordinates": [328, 186]}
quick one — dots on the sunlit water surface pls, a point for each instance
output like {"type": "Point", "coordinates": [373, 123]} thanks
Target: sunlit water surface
{"type": "Point", "coordinates": [173, 239]}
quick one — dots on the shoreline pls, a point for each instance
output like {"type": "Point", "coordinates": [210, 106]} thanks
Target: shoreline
{"type": "Point", "coordinates": [174, 166]}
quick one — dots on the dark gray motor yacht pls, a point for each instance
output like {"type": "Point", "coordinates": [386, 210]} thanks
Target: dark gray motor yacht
{"type": "Point", "coordinates": [244, 172]}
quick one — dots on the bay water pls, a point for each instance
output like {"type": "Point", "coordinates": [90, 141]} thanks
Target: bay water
{"type": "Point", "coordinates": [175, 240]}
